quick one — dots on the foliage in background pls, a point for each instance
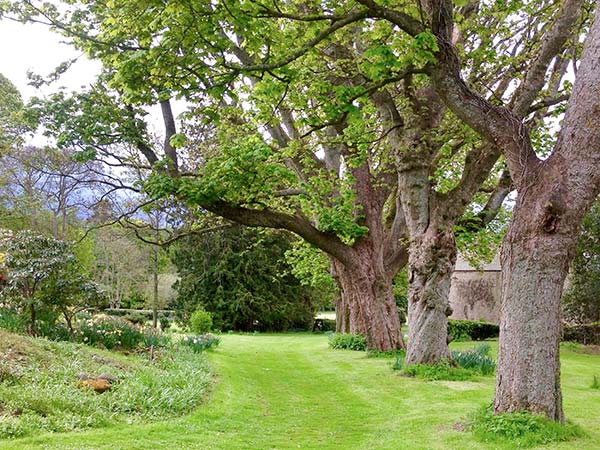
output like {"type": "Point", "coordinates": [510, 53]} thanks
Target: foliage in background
{"type": "Point", "coordinates": [311, 267]}
{"type": "Point", "coordinates": [400, 289]}
{"type": "Point", "coordinates": [581, 302]}
{"type": "Point", "coordinates": [324, 325]}
{"type": "Point", "coordinates": [467, 330]}
{"type": "Point", "coordinates": [239, 275]}
{"type": "Point", "coordinates": [588, 334]}
{"type": "Point", "coordinates": [12, 120]}
{"type": "Point", "coordinates": [347, 341]}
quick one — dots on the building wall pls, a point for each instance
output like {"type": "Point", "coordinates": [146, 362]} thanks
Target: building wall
{"type": "Point", "coordinates": [475, 294]}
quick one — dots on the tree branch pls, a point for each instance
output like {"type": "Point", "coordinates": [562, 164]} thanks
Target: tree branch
{"type": "Point", "coordinates": [170, 131]}
{"type": "Point", "coordinates": [298, 224]}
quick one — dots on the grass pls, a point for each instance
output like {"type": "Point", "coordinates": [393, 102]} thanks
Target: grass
{"type": "Point", "coordinates": [39, 392]}
{"type": "Point", "coordinates": [292, 391]}
{"type": "Point", "coordinates": [522, 429]}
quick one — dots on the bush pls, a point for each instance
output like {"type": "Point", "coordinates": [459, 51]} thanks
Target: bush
{"type": "Point", "coordinates": [137, 317]}
{"type": "Point", "coordinates": [200, 343]}
{"type": "Point", "coordinates": [471, 330]}
{"type": "Point", "coordinates": [440, 371]}
{"type": "Point", "coordinates": [523, 429]}
{"type": "Point", "coordinates": [324, 325]}
{"type": "Point", "coordinates": [201, 321]}
{"type": "Point", "coordinates": [346, 341]}
{"type": "Point", "coordinates": [584, 334]}
{"type": "Point", "coordinates": [165, 322]}
{"type": "Point", "coordinates": [476, 360]}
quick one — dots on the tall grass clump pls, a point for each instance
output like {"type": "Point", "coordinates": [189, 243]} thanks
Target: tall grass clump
{"type": "Point", "coordinates": [443, 370]}
{"type": "Point", "coordinates": [476, 360]}
{"type": "Point", "coordinates": [201, 342]}
{"type": "Point", "coordinates": [48, 398]}
{"type": "Point", "coordinates": [522, 429]}
{"type": "Point", "coordinates": [595, 382]}
{"type": "Point", "coordinates": [464, 365]}
{"type": "Point", "coordinates": [346, 341]}
{"type": "Point", "coordinates": [112, 332]}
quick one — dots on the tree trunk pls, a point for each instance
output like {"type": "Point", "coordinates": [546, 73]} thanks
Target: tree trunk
{"type": "Point", "coordinates": [342, 314]}
{"type": "Point", "coordinates": [31, 329]}
{"type": "Point", "coordinates": [534, 266]}
{"type": "Point", "coordinates": [371, 305]}
{"type": "Point", "coordinates": [431, 264]}
{"type": "Point", "coordinates": [155, 289]}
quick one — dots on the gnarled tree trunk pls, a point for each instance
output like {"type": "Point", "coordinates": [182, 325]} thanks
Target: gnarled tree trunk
{"type": "Point", "coordinates": [534, 267]}
{"type": "Point", "coordinates": [431, 264]}
{"type": "Point", "coordinates": [371, 307]}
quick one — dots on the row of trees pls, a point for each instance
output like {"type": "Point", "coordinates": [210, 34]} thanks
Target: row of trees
{"type": "Point", "coordinates": [374, 132]}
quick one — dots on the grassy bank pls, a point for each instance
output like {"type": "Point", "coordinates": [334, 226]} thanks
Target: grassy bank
{"type": "Point", "coordinates": [40, 389]}
{"type": "Point", "coordinates": [292, 391]}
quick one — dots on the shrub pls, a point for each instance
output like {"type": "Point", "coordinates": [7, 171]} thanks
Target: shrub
{"type": "Point", "coordinates": [54, 331]}
{"type": "Point", "coordinates": [584, 334]}
{"type": "Point", "coordinates": [476, 360]}
{"type": "Point", "coordinates": [348, 341]}
{"type": "Point", "coordinates": [324, 325]}
{"type": "Point", "coordinates": [137, 317]}
{"type": "Point", "coordinates": [523, 429]}
{"type": "Point", "coordinates": [471, 330]}
{"type": "Point", "coordinates": [200, 343]}
{"type": "Point", "coordinates": [165, 322]}
{"type": "Point", "coordinates": [201, 321]}
{"type": "Point", "coordinates": [399, 362]}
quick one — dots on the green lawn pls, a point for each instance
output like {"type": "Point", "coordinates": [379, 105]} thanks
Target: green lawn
{"type": "Point", "coordinates": [292, 391]}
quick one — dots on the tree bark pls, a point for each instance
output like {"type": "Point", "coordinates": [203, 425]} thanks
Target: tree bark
{"type": "Point", "coordinates": [31, 328]}
{"type": "Point", "coordinates": [431, 264]}
{"type": "Point", "coordinates": [371, 305]}
{"type": "Point", "coordinates": [534, 267]}
{"type": "Point", "coordinates": [540, 245]}
{"type": "Point", "coordinates": [342, 314]}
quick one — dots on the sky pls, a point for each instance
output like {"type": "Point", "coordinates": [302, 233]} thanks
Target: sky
{"type": "Point", "coordinates": [34, 47]}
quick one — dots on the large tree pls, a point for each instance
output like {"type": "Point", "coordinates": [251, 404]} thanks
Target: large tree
{"type": "Point", "coordinates": [328, 126]}
{"type": "Point", "coordinates": [553, 196]}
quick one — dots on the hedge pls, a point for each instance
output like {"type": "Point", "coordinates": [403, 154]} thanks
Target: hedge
{"type": "Point", "coordinates": [323, 325]}
{"type": "Point", "coordinates": [471, 330]}
{"type": "Point", "coordinates": [584, 334]}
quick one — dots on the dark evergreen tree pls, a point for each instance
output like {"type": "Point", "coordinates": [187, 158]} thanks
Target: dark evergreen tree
{"type": "Point", "coordinates": [241, 277]}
